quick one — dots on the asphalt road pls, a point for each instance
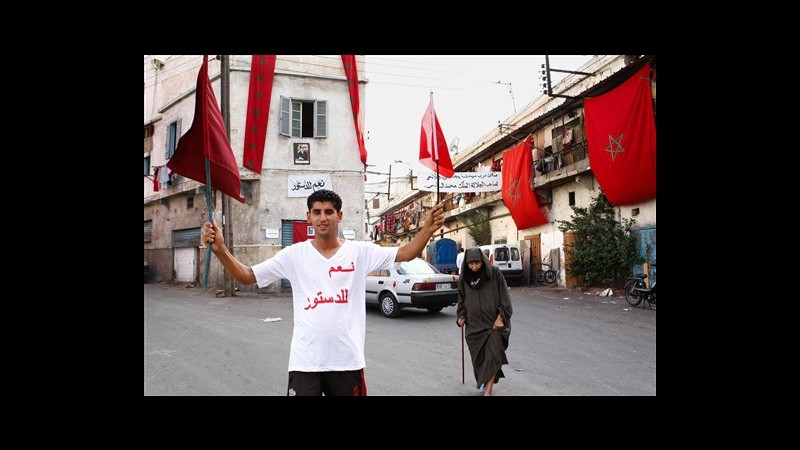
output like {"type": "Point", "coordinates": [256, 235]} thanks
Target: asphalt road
{"type": "Point", "coordinates": [562, 343]}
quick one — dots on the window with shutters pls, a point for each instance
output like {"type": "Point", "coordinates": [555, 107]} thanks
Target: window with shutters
{"type": "Point", "coordinates": [173, 134]}
{"type": "Point", "coordinates": [148, 233]}
{"type": "Point", "coordinates": [304, 118]}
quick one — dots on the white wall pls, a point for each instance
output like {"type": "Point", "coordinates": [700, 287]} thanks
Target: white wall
{"type": "Point", "coordinates": [647, 213]}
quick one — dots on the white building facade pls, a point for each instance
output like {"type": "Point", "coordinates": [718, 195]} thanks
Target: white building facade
{"type": "Point", "coordinates": [317, 117]}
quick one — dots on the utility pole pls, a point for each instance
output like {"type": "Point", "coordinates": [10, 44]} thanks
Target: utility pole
{"type": "Point", "coordinates": [227, 223]}
{"type": "Point", "coordinates": [544, 74]}
{"type": "Point", "coordinates": [389, 191]}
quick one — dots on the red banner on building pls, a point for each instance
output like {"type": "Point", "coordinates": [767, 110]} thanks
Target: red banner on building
{"type": "Point", "coordinates": [262, 73]}
{"type": "Point", "coordinates": [518, 196]}
{"type": "Point", "coordinates": [621, 131]}
{"type": "Point", "coordinates": [351, 72]}
{"type": "Point", "coordinates": [302, 231]}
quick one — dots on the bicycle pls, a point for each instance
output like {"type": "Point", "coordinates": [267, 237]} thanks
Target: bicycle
{"type": "Point", "coordinates": [636, 290]}
{"type": "Point", "coordinates": [545, 275]}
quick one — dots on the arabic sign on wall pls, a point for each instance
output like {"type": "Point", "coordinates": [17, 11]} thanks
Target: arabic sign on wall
{"type": "Point", "coordinates": [461, 182]}
{"type": "Point", "coordinates": [305, 185]}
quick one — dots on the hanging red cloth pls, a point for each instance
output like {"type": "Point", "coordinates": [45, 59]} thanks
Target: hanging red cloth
{"type": "Point", "coordinates": [620, 128]}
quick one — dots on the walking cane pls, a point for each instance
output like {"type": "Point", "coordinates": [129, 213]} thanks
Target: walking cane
{"type": "Point", "coordinates": [462, 354]}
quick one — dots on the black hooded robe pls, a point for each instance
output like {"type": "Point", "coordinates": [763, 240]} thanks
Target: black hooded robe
{"type": "Point", "coordinates": [481, 305]}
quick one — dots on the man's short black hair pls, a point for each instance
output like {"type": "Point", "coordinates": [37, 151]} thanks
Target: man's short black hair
{"type": "Point", "coordinates": [324, 195]}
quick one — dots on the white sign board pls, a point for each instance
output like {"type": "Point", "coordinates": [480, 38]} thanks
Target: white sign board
{"type": "Point", "coordinates": [304, 185]}
{"type": "Point", "coordinates": [349, 234]}
{"type": "Point", "coordinates": [272, 233]}
{"type": "Point", "coordinates": [462, 182]}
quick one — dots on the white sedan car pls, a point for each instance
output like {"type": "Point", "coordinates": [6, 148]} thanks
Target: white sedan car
{"type": "Point", "coordinates": [412, 284]}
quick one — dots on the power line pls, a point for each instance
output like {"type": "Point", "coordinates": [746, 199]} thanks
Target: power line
{"type": "Point", "coordinates": [406, 62]}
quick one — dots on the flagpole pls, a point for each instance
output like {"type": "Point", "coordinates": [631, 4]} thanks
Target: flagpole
{"type": "Point", "coordinates": [210, 219]}
{"type": "Point", "coordinates": [434, 138]}
{"type": "Point", "coordinates": [227, 222]}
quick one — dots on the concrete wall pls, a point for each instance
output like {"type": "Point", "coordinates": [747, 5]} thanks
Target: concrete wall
{"type": "Point", "coordinates": [167, 215]}
{"type": "Point", "coordinates": [646, 216]}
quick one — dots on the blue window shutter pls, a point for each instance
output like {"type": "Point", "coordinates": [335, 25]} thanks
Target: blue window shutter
{"type": "Point", "coordinates": [166, 142]}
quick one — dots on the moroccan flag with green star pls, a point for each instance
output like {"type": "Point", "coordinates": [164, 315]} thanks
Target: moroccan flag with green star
{"type": "Point", "coordinates": [621, 130]}
{"type": "Point", "coordinates": [518, 196]}
{"type": "Point", "coordinates": [262, 72]}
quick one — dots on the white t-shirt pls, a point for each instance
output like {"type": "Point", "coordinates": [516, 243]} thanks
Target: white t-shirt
{"type": "Point", "coordinates": [459, 260]}
{"type": "Point", "coordinates": [329, 301]}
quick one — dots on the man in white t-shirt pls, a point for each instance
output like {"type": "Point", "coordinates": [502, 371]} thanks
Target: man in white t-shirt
{"type": "Point", "coordinates": [328, 277]}
{"type": "Point", "coordinates": [459, 259]}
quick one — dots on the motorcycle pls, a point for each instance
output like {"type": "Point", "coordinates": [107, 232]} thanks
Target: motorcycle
{"type": "Point", "coordinates": [636, 290]}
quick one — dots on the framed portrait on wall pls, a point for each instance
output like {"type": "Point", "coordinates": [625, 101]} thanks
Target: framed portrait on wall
{"type": "Point", "coordinates": [302, 153]}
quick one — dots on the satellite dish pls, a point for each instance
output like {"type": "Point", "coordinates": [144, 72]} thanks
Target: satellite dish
{"type": "Point", "coordinates": [454, 145]}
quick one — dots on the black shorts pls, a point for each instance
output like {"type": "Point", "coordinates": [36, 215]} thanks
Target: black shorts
{"type": "Point", "coordinates": [344, 383]}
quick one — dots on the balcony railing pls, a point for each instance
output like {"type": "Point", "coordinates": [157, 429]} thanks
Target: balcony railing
{"type": "Point", "coordinates": [560, 159]}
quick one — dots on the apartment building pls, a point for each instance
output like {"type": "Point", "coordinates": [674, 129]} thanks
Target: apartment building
{"type": "Point", "coordinates": [311, 143]}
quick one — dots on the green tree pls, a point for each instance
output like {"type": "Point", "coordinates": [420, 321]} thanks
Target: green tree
{"type": "Point", "coordinates": [605, 249]}
{"type": "Point", "coordinates": [479, 227]}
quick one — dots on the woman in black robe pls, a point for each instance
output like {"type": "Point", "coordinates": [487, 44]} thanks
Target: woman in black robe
{"type": "Point", "coordinates": [485, 307]}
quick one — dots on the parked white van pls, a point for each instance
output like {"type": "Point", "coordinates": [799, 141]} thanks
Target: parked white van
{"type": "Point", "coordinates": [506, 257]}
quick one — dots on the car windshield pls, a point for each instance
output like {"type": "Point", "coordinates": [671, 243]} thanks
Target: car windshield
{"type": "Point", "coordinates": [416, 267]}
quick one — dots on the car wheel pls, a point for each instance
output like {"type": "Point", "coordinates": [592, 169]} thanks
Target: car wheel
{"type": "Point", "coordinates": [389, 306]}
{"type": "Point", "coordinates": [435, 310]}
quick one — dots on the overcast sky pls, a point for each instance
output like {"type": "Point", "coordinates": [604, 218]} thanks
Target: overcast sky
{"type": "Point", "coordinates": [467, 98]}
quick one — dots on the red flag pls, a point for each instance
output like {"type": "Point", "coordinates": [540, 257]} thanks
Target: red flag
{"type": "Point", "coordinates": [300, 229]}
{"type": "Point", "coordinates": [621, 131]}
{"type": "Point", "coordinates": [262, 72]}
{"type": "Point", "coordinates": [156, 184]}
{"type": "Point", "coordinates": [207, 138]}
{"type": "Point", "coordinates": [351, 72]}
{"type": "Point", "coordinates": [431, 150]}
{"type": "Point", "coordinates": [517, 194]}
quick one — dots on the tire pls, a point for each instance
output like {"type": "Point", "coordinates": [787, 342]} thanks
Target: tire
{"type": "Point", "coordinates": [389, 306]}
{"type": "Point", "coordinates": [550, 277]}
{"type": "Point", "coordinates": [435, 309]}
{"type": "Point", "coordinates": [632, 297]}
